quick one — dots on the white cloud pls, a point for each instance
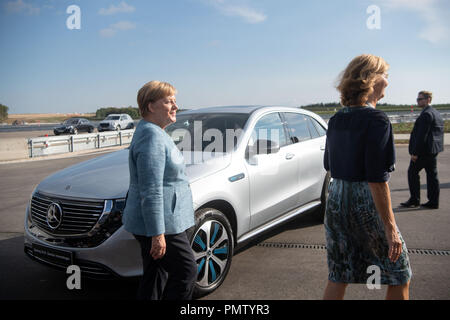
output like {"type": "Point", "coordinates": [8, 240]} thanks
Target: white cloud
{"type": "Point", "coordinates": [124, 25]}
{"type": "Point", "coordinates": [123, 7]}
{"type": "Point", "coordinates": [436, 27]}
{"type": "Point", "coordinates": [108, 32]}
{"type": "Point", "coordinates": [114, 28]}
{"type": "Point", "coordinates": [247, 13]}
{"type": "Point", "coordinates": [21, 6]}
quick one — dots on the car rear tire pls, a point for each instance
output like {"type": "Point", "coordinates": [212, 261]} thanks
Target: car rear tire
{"type": "Point", "coordinates": [212, 244]}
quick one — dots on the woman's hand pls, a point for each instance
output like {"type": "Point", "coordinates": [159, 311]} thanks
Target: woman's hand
{"type": "Point", "coordinates": [158, 249]}
{"type": "Point", "coordinates": [382, 198]}
{"type": "Point", "coordinates": [395, 245]}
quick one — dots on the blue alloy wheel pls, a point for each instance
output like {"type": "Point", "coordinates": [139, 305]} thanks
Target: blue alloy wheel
{"type": "Point", "coordinates": [211, 252]}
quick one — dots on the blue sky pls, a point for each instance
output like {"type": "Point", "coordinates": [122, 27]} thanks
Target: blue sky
{"type": "Point", "coordinates": [215, 52]}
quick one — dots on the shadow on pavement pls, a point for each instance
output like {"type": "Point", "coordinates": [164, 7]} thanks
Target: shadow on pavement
{"type": "Point", "coordinates": [24, 279]}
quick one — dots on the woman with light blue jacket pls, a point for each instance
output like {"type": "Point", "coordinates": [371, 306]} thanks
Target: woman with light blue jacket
{"type": "Point", "coordinates": [159, 206]}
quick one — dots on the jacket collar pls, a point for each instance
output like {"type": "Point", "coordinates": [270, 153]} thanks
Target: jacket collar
{"type": "Point", "coordinates": [426, 108]}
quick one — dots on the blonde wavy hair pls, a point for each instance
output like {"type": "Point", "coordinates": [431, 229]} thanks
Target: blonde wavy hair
{"type": "Point", "coordinates": [153, 91]}
{"type": "Point", "coordinates": [356, 82]}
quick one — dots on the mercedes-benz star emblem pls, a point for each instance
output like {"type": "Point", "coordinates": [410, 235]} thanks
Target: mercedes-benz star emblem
{"type": "Point", "coordinates": [54, 215]}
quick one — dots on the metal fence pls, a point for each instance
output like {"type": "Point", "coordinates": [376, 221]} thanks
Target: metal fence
{"type": "Point", "coordinates": [402, 118]}
{"type": "Point", "coordinates": [44, 146]}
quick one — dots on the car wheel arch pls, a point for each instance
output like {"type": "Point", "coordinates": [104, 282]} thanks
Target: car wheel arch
{"type": "Point", "coordinates": [227, 209]}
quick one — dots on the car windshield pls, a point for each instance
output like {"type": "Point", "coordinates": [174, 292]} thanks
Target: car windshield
{"type": "Point", "coordinates": [211, 132]}
{"type": "Point", "coordinates": [70, 121]}
{"type": "Point", "coordinates": [112, 118]}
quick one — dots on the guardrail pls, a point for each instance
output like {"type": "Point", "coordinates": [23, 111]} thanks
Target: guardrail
{"type": "Point", "coordinates": [402, 118]}
{"type": "Point", "coordinates": [44, 146]}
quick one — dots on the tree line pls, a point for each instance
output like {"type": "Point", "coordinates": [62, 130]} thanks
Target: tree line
{"type": "Point", "coordinates": [131, 111]}
{"type": "Point", "coordinates": [331, 106]}
{"type": "Point", "coordinates": [3, 112]}
{"type": "Point", "coordinates": [104, 112]}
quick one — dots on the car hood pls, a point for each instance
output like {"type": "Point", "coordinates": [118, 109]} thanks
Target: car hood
{"type": "Point", "coordinates": [107, 176]}
{"type": "Point", "coordinates": [200, 165]}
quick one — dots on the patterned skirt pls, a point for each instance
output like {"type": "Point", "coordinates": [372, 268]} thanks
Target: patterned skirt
{"type": "Point", "coordinates": [356, 241]}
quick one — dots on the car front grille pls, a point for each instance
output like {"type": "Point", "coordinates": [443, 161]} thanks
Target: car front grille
{"type": "Point", "coordinates": [77, 218]}
{"type": "Point", "coordinates": [104, 125]}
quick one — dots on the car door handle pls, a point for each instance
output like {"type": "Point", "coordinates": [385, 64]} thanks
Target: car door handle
{"type": "Point", "coordinates": [289, 156]}
{"type": "Point", "coordinates": [322, 148]}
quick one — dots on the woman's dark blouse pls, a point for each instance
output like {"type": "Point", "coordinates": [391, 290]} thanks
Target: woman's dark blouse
{"type": "Point", "coordinates": [360, 145]}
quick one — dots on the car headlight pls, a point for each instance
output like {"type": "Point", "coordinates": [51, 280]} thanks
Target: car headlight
{"type": "Point", "coordinates": [114, 220]}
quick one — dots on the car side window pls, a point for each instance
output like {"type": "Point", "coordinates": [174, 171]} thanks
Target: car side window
{"type": "Point", "coordinates": [312, 128]}
{"type": "Point", "coordinates": [298, 126]}
{"type": "Point", "coordinates": [321, 130]}
{"type": "Point", "coordinates": [270, 127]}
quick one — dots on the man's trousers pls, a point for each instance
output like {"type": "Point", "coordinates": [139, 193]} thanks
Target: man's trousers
{"type": "Point", "coordinates": [429, 163]}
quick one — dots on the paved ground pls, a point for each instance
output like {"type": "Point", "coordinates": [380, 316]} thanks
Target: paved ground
{"type": "Point", "coordinates": [259, 271]}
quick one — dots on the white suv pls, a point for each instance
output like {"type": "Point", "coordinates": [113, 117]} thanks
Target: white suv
{"type": "Point", "coordinates": [266, 169]}
{"type": "Point", "coordinates": [116, 122]}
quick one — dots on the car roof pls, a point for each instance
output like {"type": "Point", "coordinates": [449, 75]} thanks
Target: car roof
{"type": "Point", "coordinates": [236, 109]}
{"type": "Point", "coordinates": [252, 110]}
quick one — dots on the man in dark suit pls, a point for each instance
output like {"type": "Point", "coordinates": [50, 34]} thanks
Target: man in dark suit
{"type": "Point", "coordinates": [426, 141]}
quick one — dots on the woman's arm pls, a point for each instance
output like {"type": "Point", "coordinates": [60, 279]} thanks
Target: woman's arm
{"type": "Point", "coordinates": [382, 198]}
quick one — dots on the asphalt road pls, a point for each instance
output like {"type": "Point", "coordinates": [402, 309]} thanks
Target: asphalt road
{"type": "Point", "coordinates": [280, 264]}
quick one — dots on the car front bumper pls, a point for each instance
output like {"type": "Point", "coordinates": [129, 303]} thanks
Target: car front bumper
{"type": "Point", "coordinates": [117, 256]}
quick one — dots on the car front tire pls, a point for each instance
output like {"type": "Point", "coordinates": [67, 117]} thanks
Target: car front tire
{"type": "Point", "coordinates": [212, 244]}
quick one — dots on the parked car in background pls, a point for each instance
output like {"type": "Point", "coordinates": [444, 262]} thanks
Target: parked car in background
{"type": "Point", "coordinates": [74, 126]}
{"type": "Point", "coordinates": [250, 169]}
{"type": "Point", "coordinates": [18, 123]}
{"type": "Point", "coordinates": [116, 122]}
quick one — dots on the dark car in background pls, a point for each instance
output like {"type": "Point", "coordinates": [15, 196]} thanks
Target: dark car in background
{"type": "Point", "coordinates": [73, 126]}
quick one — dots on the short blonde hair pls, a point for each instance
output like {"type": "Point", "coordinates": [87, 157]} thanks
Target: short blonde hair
{"type": "Point", "coordinates": [356, 82]}
{"type": "Point", "coordinates": [427, 94]}
{"type": "Point", "coordinates": [153, 91]}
